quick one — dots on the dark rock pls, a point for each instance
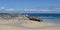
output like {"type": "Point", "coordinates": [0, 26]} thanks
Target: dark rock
{"type": "Point", "coordinates": [35, 18]}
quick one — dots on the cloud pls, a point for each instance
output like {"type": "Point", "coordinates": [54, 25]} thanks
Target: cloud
{"type": "Point", "coordinates": [10, 9]}
{"type": "Point", "coordinates": [41, 10]}
{"type": "Point", "coordinates": [46, 10]}
{"type": "Point", "coordinates": [57, 8]}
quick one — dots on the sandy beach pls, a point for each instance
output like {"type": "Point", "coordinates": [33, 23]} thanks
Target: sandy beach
{"type": "Point", "coordinates": [15, 24]}
{"type": "Point", "coordinates": [29, 14]}
{"type": "Point", "coordinates": [19, 28]}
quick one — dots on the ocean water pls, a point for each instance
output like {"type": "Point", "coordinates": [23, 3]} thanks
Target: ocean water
{"type": "Point", "coordinates": [51, 18]}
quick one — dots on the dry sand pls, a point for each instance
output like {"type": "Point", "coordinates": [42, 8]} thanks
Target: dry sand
{"type": "Point", "coordinates": [26, 25]}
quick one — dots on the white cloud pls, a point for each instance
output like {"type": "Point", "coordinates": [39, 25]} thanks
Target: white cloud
{"type": "Point", "coordinates": [45, 10]}
{"type": "Point", "coordinates": [13, 9]}
{"type": "Point", "coordinates": [8, 9]}
{"type": "Point", "coordinates": [57, 8]}
{"type": "Point", "coordinates": [42, 10]}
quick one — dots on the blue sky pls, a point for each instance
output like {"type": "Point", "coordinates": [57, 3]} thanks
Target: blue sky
{"type": "Point", "coordinates": [30, 6]}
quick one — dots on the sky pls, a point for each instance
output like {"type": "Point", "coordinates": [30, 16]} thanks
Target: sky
{"type": "Point", "coordinates": [30, 6]}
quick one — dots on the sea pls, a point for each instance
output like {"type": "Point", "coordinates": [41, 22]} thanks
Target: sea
{"type": "Point", "coordinates": [49, 18]}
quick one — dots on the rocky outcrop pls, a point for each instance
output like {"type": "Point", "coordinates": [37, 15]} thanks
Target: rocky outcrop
{"type": "Point", "coordinates": [33, 18]}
